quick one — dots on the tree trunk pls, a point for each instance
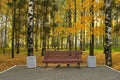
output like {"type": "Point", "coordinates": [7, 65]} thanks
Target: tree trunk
{"type": "Point", "coordinates": [30, 29]}
{"type": "Point", "coordinates": [36, 37]}
{"type": "Point", "coordinates": [62, 43]}
{"type": "Point", "coordinates": [40, 36]}
{"type": "Point", "coordinates": [70, 25]}
{"type": "Point", "coordinates": [36, 33]}
{"type": "Point", "coordinates": [45, 20]}
{"type": "Point", "coordinates": [44, 42]}
{"type": "Point", "coordinates": [81, 44]}
{"type": "Point", "coordinates": [13, 26]}
{"type": "Point", "coordinates": [92, 35]}
{"type": "Point", "coordinates": [58, 43]}
{"type": "Point", "coordinates": [48, 42]}
{"type": "Point", "coordinates": [18, 31]}
{"type": "Point", "coordinates": [107, 48]}
{"type": "Point", "coordinates": [75, 14]}
{"type": "Point", "coordinates": [5, 37]}
{"type": "Point", "coordinates": [1, 32]}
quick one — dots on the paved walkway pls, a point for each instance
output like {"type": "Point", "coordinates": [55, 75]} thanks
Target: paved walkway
{"type": "Point", "coordinates": [64, 73]}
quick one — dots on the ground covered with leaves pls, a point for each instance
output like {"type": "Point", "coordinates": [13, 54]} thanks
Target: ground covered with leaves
{"type": "Point", "coordinates": [20, 59]}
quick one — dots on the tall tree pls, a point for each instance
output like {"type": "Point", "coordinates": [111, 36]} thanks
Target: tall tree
{"type": "Point", "coordinates": [107, 48]}
{"type": "Point", "coordinates": [53, 11]}
{"type": "Point", "coordinates": [91, 30]}
{"type": "Point", "coordinates": [75, 18]}
{"type": "Point", "coordinates": [18, 27]}
{"type": "Point", "coordinates": [70, 25]}
{"type": "Point", "coordinates": [13, 26]}
{"type": "Point", "coordinates": [46, 23]}
{"type": "Point", "coordinates": [30, 29]}
{"type": "Point", "coordinates": [5, 32]}
{"type": "Point", "coordinates": [37, 8]}
{"type": "Point", "coordinates": [45, 20]}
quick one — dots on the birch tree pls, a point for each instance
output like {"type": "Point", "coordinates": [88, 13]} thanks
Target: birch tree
{"type": "Point", "coordinates": [107, 48]}
{"type": "Point", "coordinates": [30, 29]}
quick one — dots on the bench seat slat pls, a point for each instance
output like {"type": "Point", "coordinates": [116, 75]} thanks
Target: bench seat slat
{"type": "Point", "coordinates": [62, 60]}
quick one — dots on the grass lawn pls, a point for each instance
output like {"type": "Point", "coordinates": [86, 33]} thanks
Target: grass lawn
{"type": "Point", "coordinates": [20, 59]}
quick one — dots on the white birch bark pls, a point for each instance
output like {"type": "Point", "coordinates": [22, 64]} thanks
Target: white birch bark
{"type": "Point", "coordinates": [30, 29]}
{"type": "Point", "coordinates": [108, 25]}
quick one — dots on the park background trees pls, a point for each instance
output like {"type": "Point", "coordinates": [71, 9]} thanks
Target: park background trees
{"type": "Point", "coordinates": [58, 25]}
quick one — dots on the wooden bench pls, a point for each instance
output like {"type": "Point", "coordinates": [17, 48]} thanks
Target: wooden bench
{"type": "Point", "coordinates": [62, 57]}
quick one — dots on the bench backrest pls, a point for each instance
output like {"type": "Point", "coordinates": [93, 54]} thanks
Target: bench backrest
{"type": "Point", "coordinates": [62, 55]}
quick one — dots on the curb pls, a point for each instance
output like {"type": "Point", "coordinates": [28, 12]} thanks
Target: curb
{"type": "Point", "coordinates": [8, 69]}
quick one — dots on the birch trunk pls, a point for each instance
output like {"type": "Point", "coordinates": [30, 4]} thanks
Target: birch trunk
{"type": "Point", "coordinates": [107, 48]}
{"type": "Point", "coordinates": [30, 29]}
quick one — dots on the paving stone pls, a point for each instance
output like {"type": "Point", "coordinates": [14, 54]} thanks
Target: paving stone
{"type": "Point", "coordinates": [63, 73]}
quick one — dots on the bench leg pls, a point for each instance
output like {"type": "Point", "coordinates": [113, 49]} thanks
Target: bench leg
{"type": "Point", "coordinates": [58, 66]}
{"type": "Point", "coordinates": [78, 65]}
{"type": "Point", "coordinates": [68, 65]}
{"type": "Point", "coordinates": [46, 65]}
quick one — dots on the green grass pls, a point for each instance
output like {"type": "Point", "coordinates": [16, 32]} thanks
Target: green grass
{"type": "Point", "coordinates": [116, 49]}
